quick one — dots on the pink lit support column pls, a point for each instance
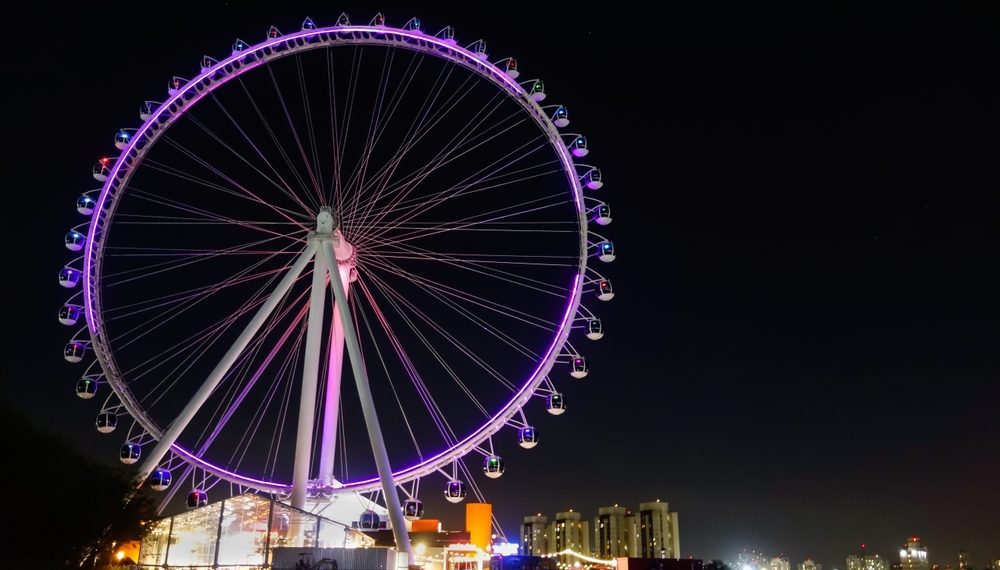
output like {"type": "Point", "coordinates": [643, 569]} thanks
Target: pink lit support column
{"type": "Point", "coordinates": [331, 402]}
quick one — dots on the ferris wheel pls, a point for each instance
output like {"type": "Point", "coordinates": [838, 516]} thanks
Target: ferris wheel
{"type": "Point", "coordinates": [380, 191]}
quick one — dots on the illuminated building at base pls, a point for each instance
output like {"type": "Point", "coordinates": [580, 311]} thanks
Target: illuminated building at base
{"type": "Point", "coordinates": [866, 561]}
{"type": "Point", "coordinates": [650, 532]}
{"type": "Point", "coordinates": [535, 535]}
{"type": "Point", "coordinates": [809, 564]}
{"type": "Point", "coordinates": [570, 531]}
{"type": "Point", "coordinates": [659, 536]}
{"type": "Point", "coordinates": [913, 555]}
{"type": "Point", "coordinates": [614, 533]}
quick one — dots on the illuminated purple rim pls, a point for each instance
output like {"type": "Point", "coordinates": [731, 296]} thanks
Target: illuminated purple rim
{"type": "Point", "coordinates": [370, 35]}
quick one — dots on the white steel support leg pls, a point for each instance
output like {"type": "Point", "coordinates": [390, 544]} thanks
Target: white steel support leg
{"type": "Point", "coordinates": [331, 402]}
{"type": "Point", "coordinates": [310, 379]}
{"type": "Point", "coordinates": [218, 373]}
{"type": "Point", "coordinates": [368, 407]}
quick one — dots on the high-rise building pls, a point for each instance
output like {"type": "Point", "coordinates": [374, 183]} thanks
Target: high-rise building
{"type": "Point", "coordinates": [569, 531]}
{"type": "Point", "coordinates": [913, 555]}
{"type": "Point", "coordinates": [866, 561]}
{"type": "Point", "coordinates": [779, 563]}
{"type": "Point", "coordinates": [809, 564]}
{"type": "Point", "coordinates": [614, 533]}
{"type": "Point", "coordinates": [963, 560]}
{"type": "Point", "coordinates": [658, 533]}
{"type": "Point", "coordinates": [535, 535]}
{"type": "Point", "coordinates": [652, 532]}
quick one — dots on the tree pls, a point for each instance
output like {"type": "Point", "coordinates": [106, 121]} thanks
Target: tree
{"type": "Point", "coordinates": [716, 565]}
{"type": "Point", "coordinates": [66, 509]}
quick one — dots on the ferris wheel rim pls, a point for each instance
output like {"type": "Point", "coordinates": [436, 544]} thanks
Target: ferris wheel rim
{"type": "Point", "coordinates": [190, 94]}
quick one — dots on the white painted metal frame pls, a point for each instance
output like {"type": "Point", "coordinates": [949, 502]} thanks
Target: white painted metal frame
{"type": "Point", "coordinates": [188, 95]}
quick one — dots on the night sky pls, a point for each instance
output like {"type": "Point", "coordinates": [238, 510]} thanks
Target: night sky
{"type": "Point", "coordinates": [801, 355]}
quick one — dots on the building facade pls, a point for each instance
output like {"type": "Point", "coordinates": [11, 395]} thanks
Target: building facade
{"type": "Point", "coordinates": [614, 533]}
{"type": "Point", "coordinates": [658, 534]}
{"type": "Point", "coordinates": [865, 561]}
{"type": "Point", "coordinates": [569, 531]}
{"type": "Point", "coordinates": [650, 532]}
{"type": "Point", "coordinates": [535, 535]}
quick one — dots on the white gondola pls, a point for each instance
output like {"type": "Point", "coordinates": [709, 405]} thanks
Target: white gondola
{"type": "Point", "coordinates": [512, 70]}
{"type": "Point", "coordinates": [413, 25]}
{"type": "Point", "coordinates": [579, 367]}
{"type": "Point", "coordinates": [560, 117]}
{"type": "Point", "coordinates": [592, 179]}
{"type": "Point", "coordinates": [308, 24]}
{"type": "Point", "coordinates": [579, 146]}
{"type": "Point", "coordinates": [602, 214]}
{"type": "Point", "coordinates": [343, 20]}
{"type": "Point", "coordinates": [455, 491]}
{"type": "Point", "coordinates": [74, 240]}
{"type": "Point", "coordinates": [595, 329]}
{"type": "Point", "coordinates": [493, 466]}
{"type": "Point", "coordinates": [69, 277]}
{"type": "Point", "coordinates": [196, 499]}
{"type": "Point", "coordinates": [175, 84]}
{"type": "Point", "coordinates": [69, 314]}
{"type": "Point", "coordinates": [369, 520]}
{"type": "Point", "coordinates": [147, 109]}
{"type": "Point", "coordinates": [527, 437]}
{"type": "Point", "coordinates": [239, 46]}
{"type": "Point", "coordinates": [604, 290]}
{"type": "Point", "coordinates": [106, 422]}
{"type": "Point", "coordinates": [86, 388]}
{"type": "Point", "coordinates": [378, 20]}
{"type": "Point", "coordinates": [413, 509]}
{"type": "Point", "coordinates": [207, 63]}
{"type": "Point", "coordinates": [537, 91]}
{"type": "Point", "coordinates": [478, 48]}
{"type": "Point", "coordinates": [159, 479]}
{"type": "Point", "coordinates": [273, 33]}
{"type": "Point", "coordinates": [606, 251]}
{"type": "Point", "coordinates": [555, 404]}
{"type": "Point", "coordinates": [122, 138]}
{"type": "Point", "coordinates": [447, 34]}
{"type": "Point", "coordinates": [130, 453]}
{"type": "Point", "coordinates": [102, 169]}
{"type": "Point", "coordinates": [74, 352]}
{"type": "Point", "coordinates": [85, 205]}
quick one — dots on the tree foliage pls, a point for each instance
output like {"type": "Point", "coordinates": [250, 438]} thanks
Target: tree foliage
{"type": "Point", "coordinates": [716, 565]}
{"type": "Point", "coordinates": [67, 510]}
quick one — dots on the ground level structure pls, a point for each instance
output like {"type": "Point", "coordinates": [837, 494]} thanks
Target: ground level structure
{"type": "Point", "coordinates": [251, 530]}
{"type": "Point", "coordinates": [256, 531]}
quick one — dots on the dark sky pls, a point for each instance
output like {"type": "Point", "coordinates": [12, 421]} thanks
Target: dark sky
{"type": "Point", "coordinates": [802, 353]}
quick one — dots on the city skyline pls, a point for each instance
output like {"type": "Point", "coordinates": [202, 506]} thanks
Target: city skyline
{"type": "Point", "coordinates": [801, 353]}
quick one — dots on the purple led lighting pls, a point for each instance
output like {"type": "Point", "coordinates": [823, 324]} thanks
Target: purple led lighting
{"type": "Point", "coordinates": [380, 35]}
